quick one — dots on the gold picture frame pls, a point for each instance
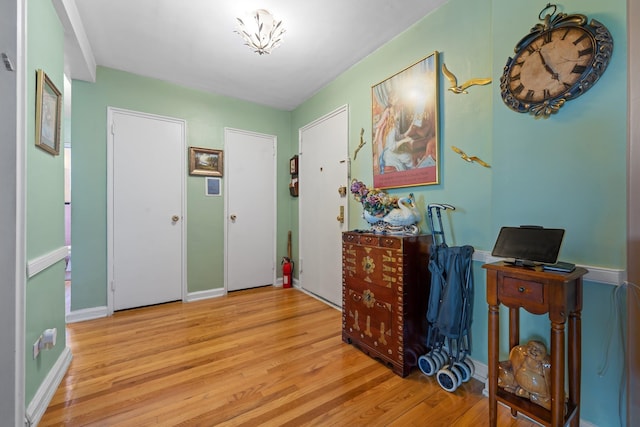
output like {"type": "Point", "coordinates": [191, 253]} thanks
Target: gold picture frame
{"type": "Point", "coordinates": [205, 162]}
{"type": "Point", "coordinates": [404, 114]}
{"type": "Point", "coordinates": [48, 114]}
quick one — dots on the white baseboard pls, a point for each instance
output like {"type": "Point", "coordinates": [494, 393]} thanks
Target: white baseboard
{"type": "Point", "coordinates": [87, 314]}
{"type": "Point", "coordinates": [47, 389]}
{"type": "Point", "coordinates": [280, 283]}
{"type": "Point", "coordinates": [481, 372]}
{"type": "Point", "coordinates": [200, 295]}
{"type": "Point", "coordinates": [99, 312]}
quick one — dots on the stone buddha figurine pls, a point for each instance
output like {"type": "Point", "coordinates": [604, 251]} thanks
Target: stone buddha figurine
{"type": "Point", "coordinates": [527, 373]}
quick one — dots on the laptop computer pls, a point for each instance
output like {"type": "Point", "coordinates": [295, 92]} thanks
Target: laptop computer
{"type": "Point", "coordinates": [528, 245]}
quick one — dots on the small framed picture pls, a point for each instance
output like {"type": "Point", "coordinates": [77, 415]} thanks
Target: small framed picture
{"type": "Point", "coordinates": [205, 162]}
{"type": "Point", "coordinates": [293, 165]}
{"type": "Point", "coordinates": [212, 187]}
{"type": "Point", "coordinates": [48, 114]}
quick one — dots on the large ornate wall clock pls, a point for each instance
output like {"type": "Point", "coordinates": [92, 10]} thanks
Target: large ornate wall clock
{"type": "Point", "coordinates": [557, 61]}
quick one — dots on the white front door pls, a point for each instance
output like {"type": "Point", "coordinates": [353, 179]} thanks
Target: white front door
{"type": "Point", "coordinates": [146, 158]}
{"type": "Point", "coordinates": [323, 169]}
{"type": "Point", "coordinates": [250, 237]}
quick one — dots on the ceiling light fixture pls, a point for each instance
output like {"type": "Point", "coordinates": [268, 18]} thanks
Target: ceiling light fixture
{"type": "Point", "coordinates": [260, 31]}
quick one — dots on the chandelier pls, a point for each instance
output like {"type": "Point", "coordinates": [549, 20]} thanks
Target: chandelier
{"type": "Point", "coordinates": [260, 31]}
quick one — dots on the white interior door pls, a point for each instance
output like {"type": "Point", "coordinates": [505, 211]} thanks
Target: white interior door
{"type": "Point", "coordinates": [323, 168]}
{"type": "Point", "coordinates": [146, 183]}
{"type": "Point", "coordinates": [250, 237]}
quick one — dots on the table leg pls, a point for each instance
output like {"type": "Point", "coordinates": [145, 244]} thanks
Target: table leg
{"type": "Point", "coordinates": [575, 364]}
{"type": "Point", "coordinates": [494, 331]}
{"type": "Point", "coordinates": [514, 337]}
{"type": "Point", "coordinates": [557, 374]}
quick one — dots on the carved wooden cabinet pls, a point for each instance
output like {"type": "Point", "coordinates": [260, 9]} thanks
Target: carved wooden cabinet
{"type": "Point", "coordinates": [385, 289]}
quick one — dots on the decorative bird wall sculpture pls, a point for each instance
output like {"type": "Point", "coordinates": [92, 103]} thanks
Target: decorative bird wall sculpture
{"type": "Point", "coordinates": [463, 87]}
{"type": "Point", "coordinates": [362, 142]}
{"type": "Point", "coordinates": [470, 159]}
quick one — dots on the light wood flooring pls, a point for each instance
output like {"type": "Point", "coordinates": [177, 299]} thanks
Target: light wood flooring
{"type": "Point", "coordinates": [268, 356]}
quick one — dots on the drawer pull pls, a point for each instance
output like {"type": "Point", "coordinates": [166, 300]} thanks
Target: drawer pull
{"type": "Point", "coordinates": [521, 289]}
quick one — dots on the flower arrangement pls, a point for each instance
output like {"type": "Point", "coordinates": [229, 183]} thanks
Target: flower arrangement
{"type": "Point", "coordinates": [375, 202]}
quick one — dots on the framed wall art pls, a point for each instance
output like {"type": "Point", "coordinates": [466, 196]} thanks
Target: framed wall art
{"type": "Point", "coordinates": [48, 114]}
{"type": "Point", "coordinates": [205, 162]}
{"type": "Point", "coordinates": [212, 186]}
{"type": "Point", "coordinates": [404, 112]}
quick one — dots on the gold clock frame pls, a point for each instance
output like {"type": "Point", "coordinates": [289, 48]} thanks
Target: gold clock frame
{"type": "Point", "coordinates": [603, 48]}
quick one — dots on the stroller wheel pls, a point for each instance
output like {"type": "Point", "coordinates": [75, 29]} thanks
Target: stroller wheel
{"type": "Point", "coordinates": [464, 370]}
{"type": "Point", "coordinates": [458, 374]}
{"type": "Point", "coordinates": [445, 356]}
{"type": "Point", "coordinates": [427, 365]}
{"type": "Point", "coordinates": [472, 368]}
{"type": "Point", "coordinates": [437, 355]}
{"type": "Point", "coordinates": [447, 380]}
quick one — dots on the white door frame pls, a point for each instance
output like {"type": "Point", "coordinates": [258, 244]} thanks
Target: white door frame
{"type": "Point", "coordinates": [13, 192]}
{"type": "Point", "coordinates": [275, 202]}
{"type": "Point", "coordinates": [110, 112]}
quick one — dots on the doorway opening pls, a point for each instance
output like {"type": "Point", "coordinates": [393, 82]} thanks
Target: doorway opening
{"type": "Point", "coordinates": [67, 227]}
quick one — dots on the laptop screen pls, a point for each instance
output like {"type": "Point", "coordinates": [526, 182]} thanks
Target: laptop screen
{"type": "Point", "coordinates": [529, 244]}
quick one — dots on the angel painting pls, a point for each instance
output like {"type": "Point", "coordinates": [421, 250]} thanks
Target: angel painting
{"type": "Point", "coordinates": [404, 119]}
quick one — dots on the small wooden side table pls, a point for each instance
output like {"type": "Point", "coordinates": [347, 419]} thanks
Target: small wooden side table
{"type": "Point", "coordinates": [538, 292]}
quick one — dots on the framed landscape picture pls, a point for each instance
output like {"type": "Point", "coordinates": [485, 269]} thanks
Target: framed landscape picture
{"type": "Point", "coordinates": [205, 162]}
{"type": "Point", "coordinates": [404, 112]}
{"type": "Point", "coordinates": [48, 114]}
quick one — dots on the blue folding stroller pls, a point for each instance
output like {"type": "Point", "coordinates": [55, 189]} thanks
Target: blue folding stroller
{"type": "Point", "coordinates": [449, 310]}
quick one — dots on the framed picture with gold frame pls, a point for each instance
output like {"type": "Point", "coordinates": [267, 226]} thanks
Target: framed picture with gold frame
{"type": "Point", "coordinates": [205, 162]}
{"type": "Point", "coordinates": [404, 112]}
{"type": "Point", "coordinates": [48, 114]}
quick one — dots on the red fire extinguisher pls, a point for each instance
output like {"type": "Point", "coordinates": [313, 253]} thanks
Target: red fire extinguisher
{"type": "Point", "coordinates": [287, 272]}
{"type": "Point", "coordinates": [287, 265]}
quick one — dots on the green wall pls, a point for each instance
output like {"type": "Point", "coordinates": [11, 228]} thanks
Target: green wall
{"type": "Point", "coordinates": [567, 171]}
{"type": "Point", "coordinates": [206, 116]}
{"type": "Point", "coordinates": [45, 200]}
{"type": "Point", "coordinates": [581, 151]}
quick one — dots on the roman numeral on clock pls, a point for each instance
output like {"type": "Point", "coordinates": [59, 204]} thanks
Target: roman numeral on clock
{"type": "Point", "coordinates": [518, 89]}
{"type": "Point", "coordinates": [578, 69]}
{"type": "Point", "coordinates": [587, 51]}
{"type": "Point", "coordinates": [579, 39]}
{"type": "Point", "coordinates": [529, 95]}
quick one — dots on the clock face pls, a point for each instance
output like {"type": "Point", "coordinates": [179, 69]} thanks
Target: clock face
{"type": "Point", "coordinates": [556, 62]}
{"type": "Point", "coordinates": [551, 64]}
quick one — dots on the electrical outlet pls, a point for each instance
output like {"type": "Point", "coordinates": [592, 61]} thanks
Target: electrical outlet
{"type": "Point", "coordinates": [36, 348]}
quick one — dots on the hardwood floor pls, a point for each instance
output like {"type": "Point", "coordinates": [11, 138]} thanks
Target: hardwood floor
{"type": "Point", "coordinates": [268, 356]}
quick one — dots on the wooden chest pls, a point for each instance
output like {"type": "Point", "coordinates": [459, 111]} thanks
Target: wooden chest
{"type": "Point", "coordinates": [385, 289]}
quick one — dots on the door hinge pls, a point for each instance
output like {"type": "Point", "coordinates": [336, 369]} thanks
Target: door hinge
{"type": "Point", "coordinates": [113, 128]}
{"type": "Point", "coordinates": [113, 285]}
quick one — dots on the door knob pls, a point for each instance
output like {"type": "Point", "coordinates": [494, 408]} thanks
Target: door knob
{"type": "Point", "coordinates": [175, 218]}
{"type": "Point", "coordinates": [232, 217]}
